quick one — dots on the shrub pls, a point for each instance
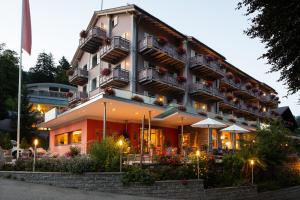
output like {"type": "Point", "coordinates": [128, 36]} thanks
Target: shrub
{"type": "Point", "coordinates": [5, 141]}
{"type": "Point", "coordinates": [136, 174]}
{"type": "Point", "coordinates": [74, 151]}
{"type": "Point", "coordinates": [106, 154]}
{"type": "Point", "coordinates": [168, 160]}
{"type": "Point", "coordinates": [80, 164]}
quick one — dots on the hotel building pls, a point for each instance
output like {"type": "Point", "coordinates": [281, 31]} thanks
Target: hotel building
{"type": "Point", "coordinates": [135, 72]}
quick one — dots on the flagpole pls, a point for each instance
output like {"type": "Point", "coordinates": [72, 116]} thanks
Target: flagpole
{"type": "Point", "coordinates": [20, 86]}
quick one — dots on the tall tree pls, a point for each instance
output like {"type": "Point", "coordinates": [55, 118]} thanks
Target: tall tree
{"type": "Point", "coordinates": [44, 71]}
{"type": "Point", "coordinates": [277, 24]}
{"type": "Point", "coordinates": [61, 69]}
{"type": "Point", "coordinates": [8, 80]}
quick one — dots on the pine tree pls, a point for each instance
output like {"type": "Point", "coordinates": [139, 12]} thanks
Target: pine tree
{"type": "Point", "coordinates": [61, 69]}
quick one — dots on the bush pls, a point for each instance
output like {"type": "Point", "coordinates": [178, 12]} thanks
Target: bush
{"type": "Point", "coordinates": [168, 160]}
{"type": "Point", "coordinates": [5, 141]}
{"type": "Point", "coordinates": [79, 165]}
{"type": "Point", "coordinates": [74, 151]}
{"type": "Point", "coordinates": [136, 174]}
{"type": "Point", "coordinates": [106, 154]}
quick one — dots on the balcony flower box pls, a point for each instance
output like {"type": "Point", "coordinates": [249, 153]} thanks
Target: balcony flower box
{"type": "Point", "coordinates": [137, 98]}
{"type": "Point", "coordinates": [223, 89]}
{"type": "Point", "coordinates": [181, 79]}
{"type": "Point", "coordinates": [229, 75]}
{"type": "Point", "coordinates": [105, 72]}
{"type": "Point", "coordinates": [209, 58]}
{"type": "Point", "coordinates": [109, 91]}
{"type": "Point", "coordinates": [162, 70]}
{"type": "Point", "coordinates": [181, 108]}
{"type": "Point", "coordinates": [181, 50]}
{"type": "Point", "coordinates": [229, 96]}
{"type": "Point", "coordinates": [237, 80]}
{"type": "Point", "coordinates": [248, 86]}
{"type": "Point", "coordinates": [69, 94]}
{"type": "Point", "coordinates": [158, 102]}
{"type": "Point", "coordinates": [162, 40]}
{"type": "Point", "coordinates": [83, 34]}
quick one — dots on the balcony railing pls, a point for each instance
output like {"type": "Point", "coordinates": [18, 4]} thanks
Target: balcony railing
{"type": "Point", "coordinates": [93, 40]}
{"type": "Point", "coordinates": [206, 92]}
{"type": "Point", "coordinates": [167, 82]}
{"type": "Point", "coordinates": [231, 83]}
{"type": "Point", "coordinates": [45, 93]}
{"type": "Point", "coordinates": [118, 77]}
{"type": "Point", "coordinates": [203, 65]}
{"type": "Point", "coordinates": [77, 96]}
{"type": "Point", "coordinates": [164, 54]}
{"type": "Point", "coordinates": [78, 77]}
{"type": "Point", "coordinates": [117, 50]}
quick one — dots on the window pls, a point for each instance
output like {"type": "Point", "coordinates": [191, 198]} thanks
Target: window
{"type": "Point", "coordinates": [84, 89]}
{"type": "Point", "coordinates": [64, 90]}
{"type": "Point", "coordinates": [200, 106]}
{"type": "Point", "coordinates": [53, 88]}
{"type": "Point", "coordinates": [61, 139]}
{"type": "Point", "coordinates": [76, 137]}
{"type": "Point", "coordinates": [94, 60]}
{"type": "Point", "coordinates": [94, 83]}
{"type": "Point", "coordinates": [114, 21]}
{"type": "Point", "coordinates": [84, 67]}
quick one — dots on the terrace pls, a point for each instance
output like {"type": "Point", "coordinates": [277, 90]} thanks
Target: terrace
{"type": "Point", "coordinates": [205, 92]}
{"type": "Point", "coordinates": [78, 76]}
{"type": "Point", "coordinates": [118, 77]}
{"type": "Point", "coordinates": [91, 41]}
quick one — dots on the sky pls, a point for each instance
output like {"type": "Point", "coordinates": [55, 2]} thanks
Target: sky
{"type": "Point", "coordinates": [56, 25]}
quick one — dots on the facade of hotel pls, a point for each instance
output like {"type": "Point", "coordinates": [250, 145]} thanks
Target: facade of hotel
{"type": "Point", "coordinates": [135, 72]}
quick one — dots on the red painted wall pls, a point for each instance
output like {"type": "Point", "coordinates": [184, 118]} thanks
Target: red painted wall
{"type": "Point", "coordinates": [171, 136]}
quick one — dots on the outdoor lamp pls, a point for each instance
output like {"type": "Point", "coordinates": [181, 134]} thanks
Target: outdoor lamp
{"type": "Point", "coordinates": [35, 142]}
{"type": "Point", "coordinates": [252, 165]}
{"type": "Point", "coordinates": [198, 154]}
{"type": "Point", "coordinates": [120, 143]}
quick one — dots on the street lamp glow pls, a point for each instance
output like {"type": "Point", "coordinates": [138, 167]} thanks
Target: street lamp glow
{"type": "Point", "coordinates": [197, 153]}
{"type": "Point", "coordinates": [120, 143]}
{"type": "Point", "coordinates": [252, 162]}
{"type": "Point", "coordinates": [35, 142]}
{"type": "Point", "coordinates": [252, 165]}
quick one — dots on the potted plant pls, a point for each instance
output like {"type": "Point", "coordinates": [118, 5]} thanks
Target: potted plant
{"type": "Point", "coordinates": [237, 80]}
{"type": "Point", "coordinates": [181, 79]}
{"type": "Point", "coordinates": [83, 34]}
{"type": "Point", "coordinates": [158, 102]}
{"type": "Point", "coordinates": [162, 70]}
{"type": "Point", "coordinates": [229, 75]}
{"type": "Point", "coordinates": [209, 58]}
{"type": "Point", "coordinates": [162, 40]}
{"type": "Point", "coordinates": [229, 96]}
{"type": "Point", "coordinates": [109, 91]}
{"type": "Point", "coordinates": [181, 108]}
{"type": "Point", "coordinates": [137, 98]}
{"type": "Point", "coordinates": [105, 72]}
{"type": "Point", "coordinates": [69, 94]}
{"type": "Point", "coordinates": [248, 86]}
{"type": "Point", "coordinates": [181, 50]}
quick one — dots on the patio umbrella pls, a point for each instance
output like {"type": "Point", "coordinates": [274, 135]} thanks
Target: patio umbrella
{"type": "Point", "coordinates": [234, 129]}
{"type": "Point", "coordinates": [209, 124]}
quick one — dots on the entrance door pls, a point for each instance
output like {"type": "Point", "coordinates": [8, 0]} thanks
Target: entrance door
{"type": "Point", "coordinates": [156, 137]}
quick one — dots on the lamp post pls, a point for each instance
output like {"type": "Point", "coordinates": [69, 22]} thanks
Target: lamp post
{"type": "Point", "coordinates": [120, 143]}
{"type": "Point", "coordinates": [198, 154]}
{"type": "Point", "coordinates": [35, 142]}
{"type": "Point", "coordinates": [252, 165]}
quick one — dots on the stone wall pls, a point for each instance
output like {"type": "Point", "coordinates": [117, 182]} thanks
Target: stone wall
{"type": "Point", "coordinates": [291, 193]}
{"type": "Point", "coordinates": [111, 182]}
{"type": "Point", "coordinates": [232, 193]}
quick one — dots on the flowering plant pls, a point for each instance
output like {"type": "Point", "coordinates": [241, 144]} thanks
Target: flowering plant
{"type": "Point", "coordinates": [209, 58]}
{"type": "Point", "coordinates": [168, 160]}
{"type": "Point", "coordinates": [83, 34]}
{"type": "Point", "coordinates": [162, 40]}
{"type": "Point", "coordinates": [109, 91]}
{"type": "Point", "coordinates": [181, 50]}
{"type": "Point", "coordinates": [248, 86]}
{"type": "Point", "coordinates": [69, 94]}
{"type": "Point", "coordinates": [181, 79]}
{"type": "Point", "coordinates": [237, 80]}
{"type": "Point", "coordinates": [229, 75]}
{"type": "Point", "coordinates": [105, 72]}
{"type": "Point", "coordinates": [162, 70]}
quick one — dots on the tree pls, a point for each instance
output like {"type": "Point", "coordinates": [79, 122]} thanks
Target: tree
{"type": "Point", "coordinates": [8, 80]}
{"type": "Point", "coordinates": [277, 24]}
{"type": "Point", "coordinates": [44, 70]}
{"type": "Point", "coordinates": [61, 69]}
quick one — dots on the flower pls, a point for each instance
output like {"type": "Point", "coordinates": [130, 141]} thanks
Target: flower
{"type": "Point", "coordinates": [109, 91]}
{"type": "Point", "coordinates": [181, 79]}
{"type": "Point", "coordinates": [162, 40]}
{"type": "Point", "coordinates": [181, 50]}
{"type": "Point", "coordinates": [162, 70]}
{"type": "Point", "coordinates": [83, 34]}
{"type": "Point", "coordinates": [237, 80]}
{"type": "Point", "coordinates": [105, 72]}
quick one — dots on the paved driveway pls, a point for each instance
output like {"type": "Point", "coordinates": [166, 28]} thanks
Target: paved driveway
{"type": "Point", "coordinates": [18, 190]}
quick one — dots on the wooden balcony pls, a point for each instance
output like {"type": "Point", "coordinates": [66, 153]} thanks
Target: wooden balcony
{"type": "Point", "coordinates": [78, 77]}
{"type": "Point", "coordinates": [245, 93]}
{"type": "Point", "coordinates": [269, 100]}
{"type": "Point", "coordinates": [77, 97]}
{"type": "Point", "coordinates": [229, 83]}
{"type": "Point", "coordinates": [227, 105]}
{"type": "Point", "coordinates": [160, 83]}
{"type": "Point", "coordinates": [206, 93]}
{"type": "Point", "coordinates": [163, 54]}
{"type": "Point", "coordinates": [200, 64]}
{"type": "Point", "coordinates": [117, 50]}
{"type": "Point", "coordinates": [94, 39]}
{"type": "Point", "coordinates": [118, 78]}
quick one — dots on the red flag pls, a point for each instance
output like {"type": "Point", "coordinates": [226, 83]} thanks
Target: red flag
{"type": "Point", "coordinates": [26, 27]}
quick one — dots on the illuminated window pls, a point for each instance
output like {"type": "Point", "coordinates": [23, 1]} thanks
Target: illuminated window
{"type": "Point", "coordinates": [61, 139]}
{"type": "Point", "coordinates": [76, 137]}
{"type": "Point", "coordinates": [200, 106]}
